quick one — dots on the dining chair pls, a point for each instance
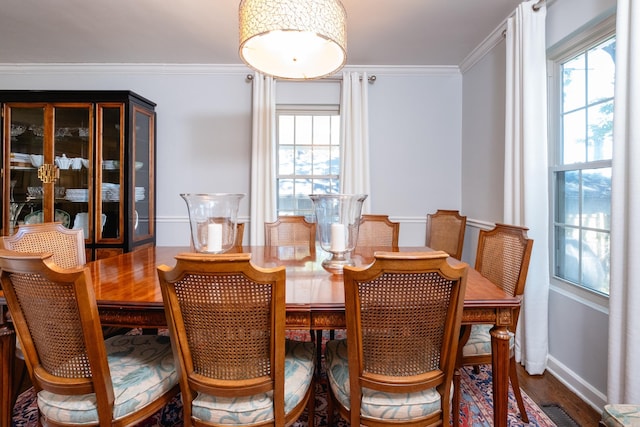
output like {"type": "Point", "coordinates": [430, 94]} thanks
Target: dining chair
{"type": "Point", "coordinates": [67, 248]}
{"type": "Point", "coordinates": [226, 319]}
{"type": "Point", "coordinates": [292, 231]}
{"type": "Point", "coordinates": [445, 232]}
{"type": "Point", "coordinates": [403, 315]}
{"type": "Point", "coordinates": [502, 256]}
{"type": "Point", "coordinates": [80, 378]}
{"type": "Point", "coordinates": [378, 230]}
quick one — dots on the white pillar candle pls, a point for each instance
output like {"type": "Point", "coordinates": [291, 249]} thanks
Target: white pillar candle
{"type": "Point", "coordinates": [214, 237]}
{"type": "Point", "coordinates": [337, 238]}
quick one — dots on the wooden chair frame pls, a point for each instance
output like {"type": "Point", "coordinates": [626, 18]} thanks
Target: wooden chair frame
{"type": "Point", "coordinates": [67, 246]}
{"type": "Point", "coordinates": [79, 280]}
{"type": "Point", "coordinates": [292, 230]}
{"type": "Point", "coordinates": [445, 232]}
{"type": "Point", "coordinates": [378, 231]}
{"type": "Point", "coordinates": [510, 274]}
{"type": "Point", "coordinates": [441, 378]}
{"type": "Point", "coordinates": [192, 382]}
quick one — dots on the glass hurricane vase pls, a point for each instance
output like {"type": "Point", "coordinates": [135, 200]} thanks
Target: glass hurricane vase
{"type": "Point", "coordinates": [338, 220]}
{"type": "Point", "coordinates": [213, 218]}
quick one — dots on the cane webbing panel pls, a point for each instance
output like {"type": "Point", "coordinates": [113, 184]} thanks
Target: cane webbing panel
{"type": "Point", "coordinates": [290, 231]}
{"type": "Point", "coordinates": [403, 318]}
{"type": "Point", "coordinates": [227, 320]}
{"type": "Point", "coordinates": [445, 232]}
{"type": "Point", "coordinates": [62, 246]}
{"type": "Point", "coordinates": [377, 230]}
{"type": "Point", "coordinates": [502, 258]}
{"type": "Point", "coordinates": [51, 311]}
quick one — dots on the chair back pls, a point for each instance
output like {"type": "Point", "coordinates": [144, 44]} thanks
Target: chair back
{"type": "Point", "coordinates": [227, 324]}
{"type": "Point", "coordinates": [67, 246]}
{"type": "Point", "coordinates": [56, 318]}
{"type": "Point", "coordinates": [378, 231]}
{"type": "Point", "coordinates": [403, 322]}
{"type": "Point", "coordinates": [503, 257]}
{"type": "Point", "coordinates": [239, 235]}
{"type": "Point", "coordinates": [445, 232]}
{"type": "Point", "coordinates": [293, 231]}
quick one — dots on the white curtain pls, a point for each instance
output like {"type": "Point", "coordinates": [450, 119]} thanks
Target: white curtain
{"type": "Point", "coordinates": [624, 298]}
{"type": "Point", "coordinates": [525, 177]}
{"type": "Point", "coordinates": [354, 133]}
{"type": "Point", "coordinates": [263, 156]}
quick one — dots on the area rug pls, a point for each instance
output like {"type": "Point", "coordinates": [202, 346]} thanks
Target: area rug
{"type": "Point", "coordinates": [476, 407]}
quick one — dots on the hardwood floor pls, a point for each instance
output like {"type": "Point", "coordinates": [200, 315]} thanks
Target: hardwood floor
{"type": "Point", "coordinates": [546, 389]}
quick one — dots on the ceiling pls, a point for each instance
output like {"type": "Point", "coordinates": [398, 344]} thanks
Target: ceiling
{"type": "Point", "coordinates": [379, 32]}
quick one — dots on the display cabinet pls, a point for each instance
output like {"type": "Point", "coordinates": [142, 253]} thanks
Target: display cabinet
{"type": "Point", "coordinates": [84, 158]}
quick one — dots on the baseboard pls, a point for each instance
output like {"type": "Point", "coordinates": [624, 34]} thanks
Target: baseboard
{"type": "Point", "coordinates": [576, 384]}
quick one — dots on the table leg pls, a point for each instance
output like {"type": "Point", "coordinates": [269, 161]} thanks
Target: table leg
{"type": "Point", "coordinates": [500, 370]}
{"type": "Point", "coordinates": [7, 351]}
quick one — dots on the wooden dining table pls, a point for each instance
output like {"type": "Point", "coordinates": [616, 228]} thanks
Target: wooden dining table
{"type": "Point", "coordinates": [128, 295]}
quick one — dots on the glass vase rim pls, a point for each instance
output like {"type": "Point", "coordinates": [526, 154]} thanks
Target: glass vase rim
{"type": "Point", "coordinates": [340, 195]}
{"type": "Point", "coordinates": [213, 194]}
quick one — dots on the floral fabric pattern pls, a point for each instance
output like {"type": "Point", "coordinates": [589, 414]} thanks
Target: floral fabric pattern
{"type": "Point", "coordinates": [621, 415]}
{"type": "Point", "coordinates": [479, 342]}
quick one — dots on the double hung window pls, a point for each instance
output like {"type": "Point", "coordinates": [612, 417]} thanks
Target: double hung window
{"type": "Point", "coordinates": [308, 156]}
{"type": "Point", "coordinates": [581, 164]}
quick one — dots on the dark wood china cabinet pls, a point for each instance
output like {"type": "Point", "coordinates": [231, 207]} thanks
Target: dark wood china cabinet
{"type": "Point", "coordinates": [84, 158]}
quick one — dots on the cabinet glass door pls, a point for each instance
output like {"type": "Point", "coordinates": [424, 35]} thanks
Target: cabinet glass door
{"type": "Point", "coordinates": [27, 153]}
{"type": "Point", "coordinates": [110, 174]}
{"type": "Point", "coordinates": [72, 155]}
{"type": "Point", "coordinates": [143, 121]}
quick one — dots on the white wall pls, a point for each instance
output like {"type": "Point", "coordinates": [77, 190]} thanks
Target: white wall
{"type": "Point", "coordinates": [204, 134]}
{"type": "Point", "coordinates": [578, 328]}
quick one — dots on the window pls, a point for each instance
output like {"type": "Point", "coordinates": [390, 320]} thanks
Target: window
{"type": "Point", "coordinates": [581, 168]}
{"type": "Point", "coordinates": [308, 156]}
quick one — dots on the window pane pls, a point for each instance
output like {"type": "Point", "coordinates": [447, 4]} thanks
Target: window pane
{"type": "Point", "coordinates": [285, 160]}
{"type": "Point", "coordinates": [304, 156]}
{"type": "Point", "coordinates": [335, 161]}
{"type": "Point", "coordinates": [596, 188]}
{"type": "Point", "coordinates": [574, 128]}
{"type": "Point", "coordinates": [285, 130]}
{"type": "Point", "coordinates": [304, 130]}
{"type": "Point", "coordinates": [595, 261]}
{"type": "Point", "coordinates": [568, 255]}
{"type": "Point", "coordinates": [322, 130]}
{"type": "Point", "coordinates": [602, 67]}
{"type": "Point", "coordinates": [335, 130]}
{"type": "Point", "coordinates": [568, 197]}
{"type": "Point", "coordinates": [573, 85]}
{"type": "Point", "coordinates": [600, 131]}
{"type": "Point", "coordinates": [321, 160]}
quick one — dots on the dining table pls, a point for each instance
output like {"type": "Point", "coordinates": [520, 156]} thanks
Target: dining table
{"type": "Point", "coordinates": [128, 295]}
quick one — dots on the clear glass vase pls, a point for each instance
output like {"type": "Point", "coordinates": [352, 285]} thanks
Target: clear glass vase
{"type": "Point", "coordinates": [213, 218]}
{"type": "Point", "coordinates": [338, 221]}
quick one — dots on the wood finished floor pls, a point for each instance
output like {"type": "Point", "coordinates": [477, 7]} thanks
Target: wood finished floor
{"type": "Point", "coordinates": [546, 389]}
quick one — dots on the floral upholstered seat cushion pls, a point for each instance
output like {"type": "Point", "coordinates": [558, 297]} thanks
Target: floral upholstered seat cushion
{"type": "Point", "coordinates": [376, 404]}
{"type": "Point", "coordinates": [479, 342]}
{"type": "Point", "coordinates": [298, 371]}
{"type": "Point", "coordinates": [142, 369]}
{"type": "Point", "coordinates": [619, 415]}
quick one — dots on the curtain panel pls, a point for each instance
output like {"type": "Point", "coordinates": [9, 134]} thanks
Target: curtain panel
{"type": "Point", "coordinates": [624, 293]}
{"type": "Point", "coordinates": [526, 172]}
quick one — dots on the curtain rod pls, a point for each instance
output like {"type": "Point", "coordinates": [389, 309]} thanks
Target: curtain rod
{"type": "Point", "coordinates": [371, 78]}
{"type": "Point", "coordinates": [536, 7]}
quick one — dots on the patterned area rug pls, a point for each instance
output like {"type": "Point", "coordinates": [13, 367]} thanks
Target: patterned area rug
{"type": "Point", "coordinates": [476, 408]}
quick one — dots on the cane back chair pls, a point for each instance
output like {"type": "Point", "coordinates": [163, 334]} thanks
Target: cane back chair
{"type": "Point", "coordinates": [503, 257]}
{"type": "Point", "coordinates": [378, 230]}
{"type": "Point", "coordinates": [291, 237]}
{"type": "Point", "coordinates": [79, 378]}
{"type": "Point", "coordinates": [403, 317]}
{"type": "Point", "coordinates": [227, 323]}
{"type": "Point", "coordinates": [445, 232]}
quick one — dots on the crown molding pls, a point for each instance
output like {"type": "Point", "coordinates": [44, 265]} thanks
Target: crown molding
{"type": "Point", "coordinates": [100, 68]}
